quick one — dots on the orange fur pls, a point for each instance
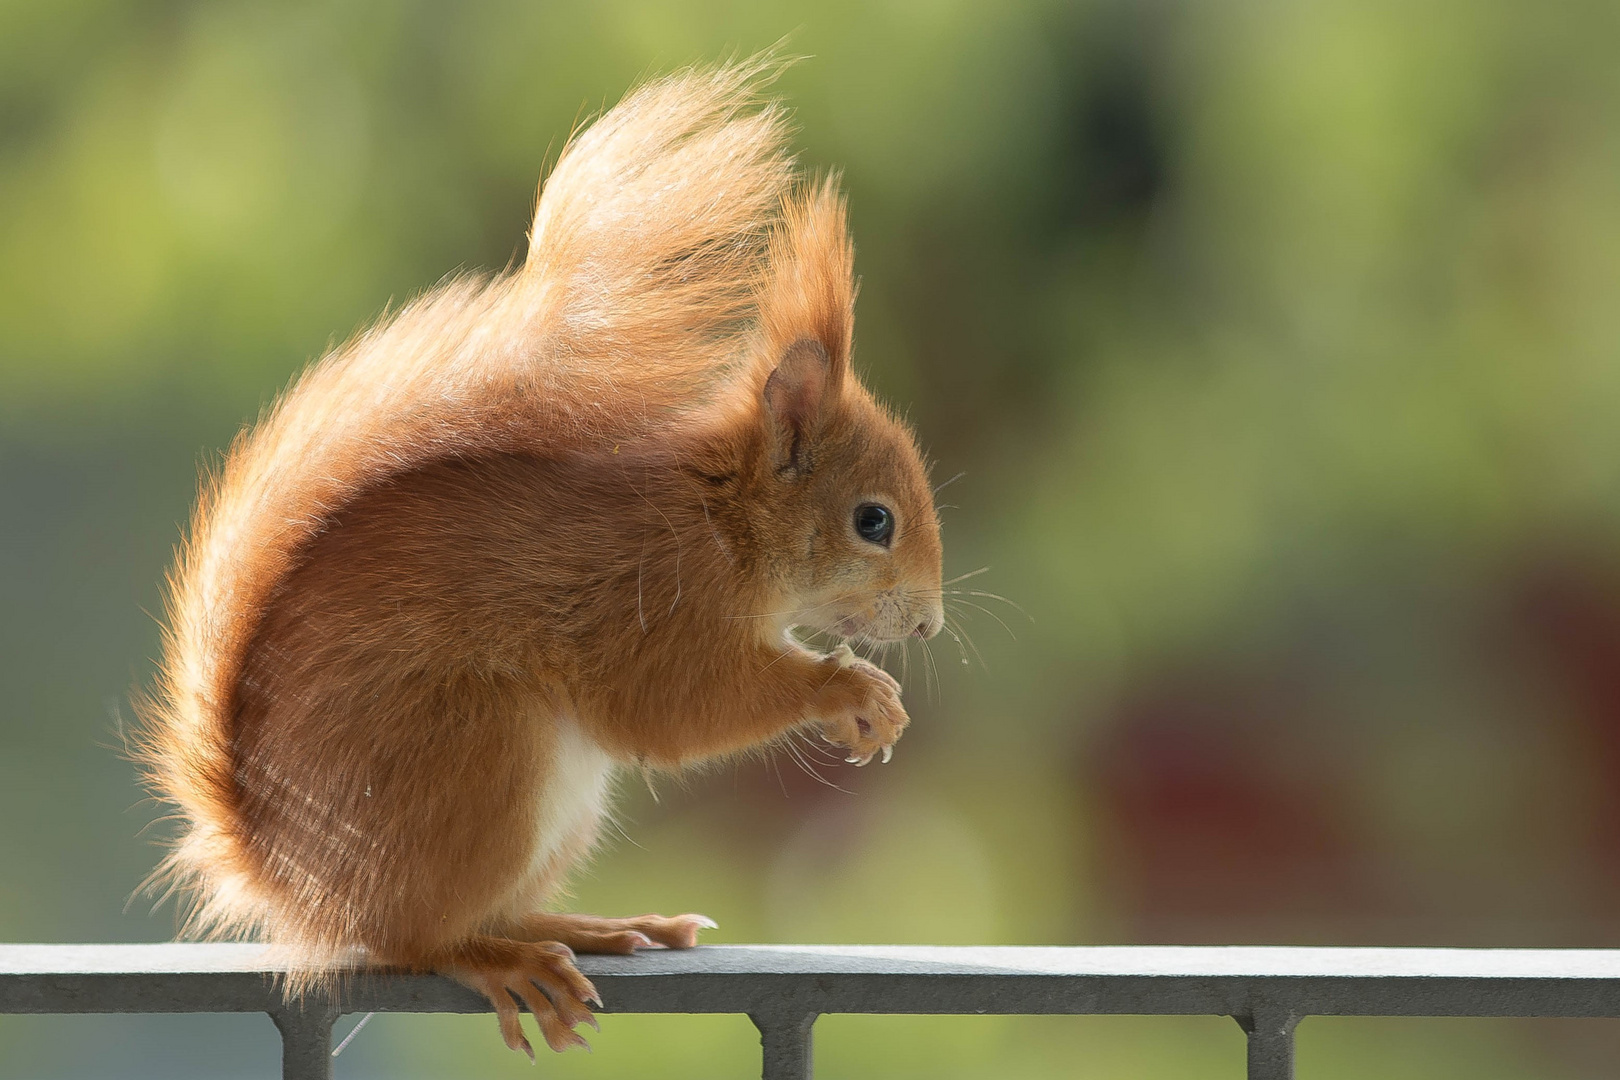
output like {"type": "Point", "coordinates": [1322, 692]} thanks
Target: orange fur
{"type": "Point", "coordinates": [529, 530]}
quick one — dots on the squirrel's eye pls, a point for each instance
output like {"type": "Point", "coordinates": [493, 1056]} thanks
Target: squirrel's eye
{"type": "Point", "coordinates": [874, 523]}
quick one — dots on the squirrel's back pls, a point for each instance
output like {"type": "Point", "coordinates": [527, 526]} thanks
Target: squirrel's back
{"type": "Point", "coordinates": [640, 283]}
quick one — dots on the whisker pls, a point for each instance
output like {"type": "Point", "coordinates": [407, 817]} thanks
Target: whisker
{"type": "Point", "coordinates": [767, 667]}
{"type": "Point", "coordinates": [793, 753]}
{"type": "Point", "coordinates": [810, 771]}
{"type": "Point", "coordinates": [949, 482]}
{"type": "Point", "coordinates": [613, 823]}
{"type": "Point", "coordinates": [820, 751]}
{"type": "Point", "coordinates": [969, 574]}
{"type": "Point", "coordinates": [777, 769]}
{"type": "Point", "coordinates": [886, 650]}
{"type": "Point", "coordinates": [774, 614]}
{"type": "Point", "coordinates": [676, 536]}
{"type": "Point", "coordinates": [931, 665]}
{"type": "Point", "coordinates": [987, 611]}
{"type": "Point", "coordinates": [967, 637]}
{"type": "Point", "coordinates": [946, 626]}
{"type": "Point", "coordinates": [994, 596]}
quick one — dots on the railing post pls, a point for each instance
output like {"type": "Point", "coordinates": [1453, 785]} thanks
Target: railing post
{"type": "Point", "coordinates": [1271, 1043]}
{"type": "Point", "coordinates": [306, 1039]}
{"type": "Point", "coordinates": [785, 1042]}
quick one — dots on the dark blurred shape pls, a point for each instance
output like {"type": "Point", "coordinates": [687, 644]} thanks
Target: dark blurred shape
{"type": "Point", "coordinates": [1569, 607]}
{"type": "Point", "coordinates": [1223, 819]}
{"type": "Point", "coordinates": [1110, 161]}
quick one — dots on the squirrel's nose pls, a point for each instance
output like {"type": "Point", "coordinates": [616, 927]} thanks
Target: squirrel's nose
{"type": "Point", "coordinates": [925, 629]}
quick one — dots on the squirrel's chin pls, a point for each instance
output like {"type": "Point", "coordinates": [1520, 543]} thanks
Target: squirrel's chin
{"type": "Point", "coordinates": [864, 634]}
{"type": "Point", "coordinates": [856, 630]}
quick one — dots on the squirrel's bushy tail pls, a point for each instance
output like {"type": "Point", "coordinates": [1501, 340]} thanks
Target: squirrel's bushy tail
{"type": "Point", "coordinates": [647, 249]}
{"type": "Point", "coordinates": [649, 234]}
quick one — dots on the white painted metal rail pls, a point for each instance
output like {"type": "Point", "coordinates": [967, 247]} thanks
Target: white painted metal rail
{"type": "Point", "coordinates": [783, 988]}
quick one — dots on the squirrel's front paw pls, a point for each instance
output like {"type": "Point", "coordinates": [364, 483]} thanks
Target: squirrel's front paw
{"type": "Point", "coordinates": [860, 709]}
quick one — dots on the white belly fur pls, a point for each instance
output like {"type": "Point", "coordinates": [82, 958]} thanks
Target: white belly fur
{"type": "Point", "coordinates": [573, 796]}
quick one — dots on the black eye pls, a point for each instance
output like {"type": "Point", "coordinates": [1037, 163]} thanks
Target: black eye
{"type": "Point", "coordinates": [874, 523]}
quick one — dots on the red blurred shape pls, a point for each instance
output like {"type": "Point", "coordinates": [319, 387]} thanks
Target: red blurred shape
{"type": "Point", "coordinates": [1224, 819]}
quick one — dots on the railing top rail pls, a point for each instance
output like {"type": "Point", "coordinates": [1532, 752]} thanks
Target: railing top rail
{"type": "Point", "coordinates": [1263, 962]}
{"type": "Point", "coordinates": [1219, 980]}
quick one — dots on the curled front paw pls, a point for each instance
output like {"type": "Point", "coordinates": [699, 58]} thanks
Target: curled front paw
{"type": "Point", "coordinates": [861, 710]}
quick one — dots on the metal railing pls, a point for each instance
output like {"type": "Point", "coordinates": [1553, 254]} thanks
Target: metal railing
{"type": "Point", "coordinates": [783, 988]}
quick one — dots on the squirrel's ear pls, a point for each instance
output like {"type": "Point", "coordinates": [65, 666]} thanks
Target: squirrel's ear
{"type": "Point", "coordinates": [795, 397]}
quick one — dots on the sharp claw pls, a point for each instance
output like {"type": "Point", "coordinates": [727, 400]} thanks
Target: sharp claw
{"type": "Point", "coordinates": [707, 923]}
{"type": "Point", "coordinates": [852, 760]}
{"type": "Point", "coordinates": [888, 752]}
{"type": "Point", "coordinates": [527, 1048]}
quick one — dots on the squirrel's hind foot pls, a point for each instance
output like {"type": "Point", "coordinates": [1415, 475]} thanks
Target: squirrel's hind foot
{"type": "Point", "coordinates": [594, 934]}
{"type": "Point", "coordinates": [540, 974]}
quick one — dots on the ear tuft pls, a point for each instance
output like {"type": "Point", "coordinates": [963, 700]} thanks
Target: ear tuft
{"type": "Point", "coordinates": [808, 292]}
{"type": "Point", "coordinates": [795, 397]}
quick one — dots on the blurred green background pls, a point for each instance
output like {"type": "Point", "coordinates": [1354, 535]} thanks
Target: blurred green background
{"type": "Point", "coordinates": [1279, 344]}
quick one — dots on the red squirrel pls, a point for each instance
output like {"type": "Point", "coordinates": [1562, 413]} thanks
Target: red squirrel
{"type": "Point", "coordinates": [527, 532]}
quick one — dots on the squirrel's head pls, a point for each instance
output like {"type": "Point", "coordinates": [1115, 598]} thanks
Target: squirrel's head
{"type": "Point", "coordinates": [841, 488]}
{"type": "Point", "coordinates": [846, 487]}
